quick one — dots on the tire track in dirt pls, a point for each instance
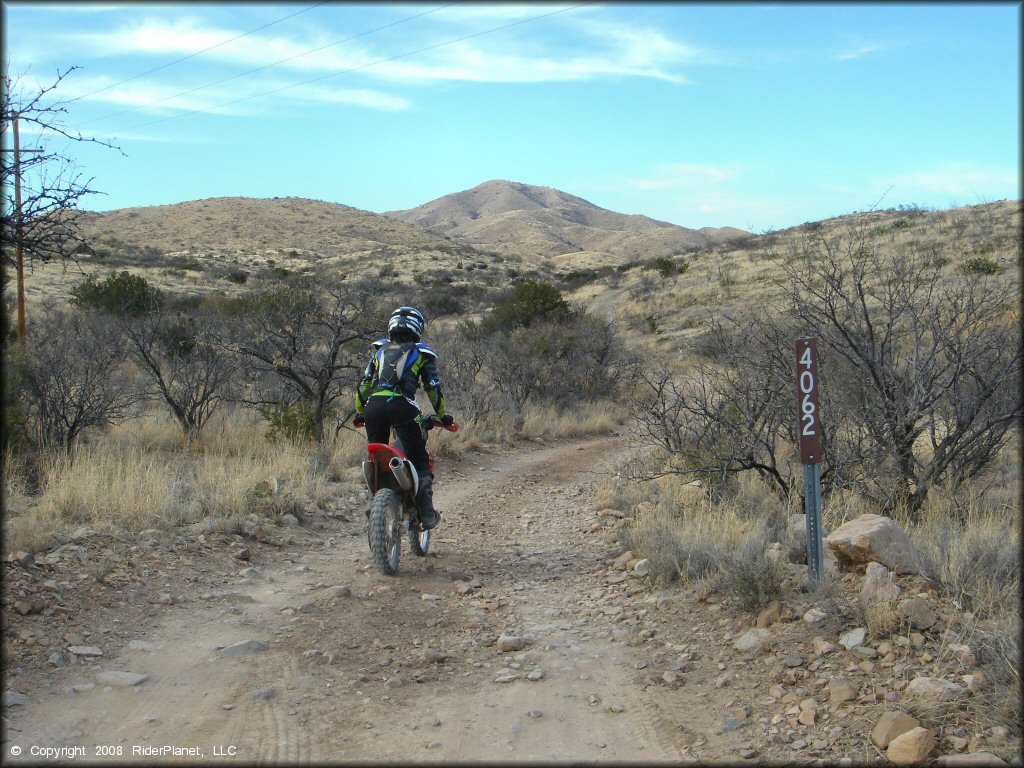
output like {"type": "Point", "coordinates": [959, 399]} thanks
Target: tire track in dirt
{"type": "Point", "coordinates": [347, 675]}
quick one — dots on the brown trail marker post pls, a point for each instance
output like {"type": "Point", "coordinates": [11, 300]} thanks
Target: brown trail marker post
{"type": "Point", "coordinates": [809, 432]}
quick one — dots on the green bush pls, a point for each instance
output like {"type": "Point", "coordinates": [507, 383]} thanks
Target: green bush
{"type": "Point", "coordinates": [121, 293]}
{"type": "Point", "coordinates": [980, 265]}
{"type": "Point", "coordinates": [530, 302]}
{"type": "Point", "coordinates": [289, 421]}
{"type": "Point", "coordinates": [668, 267]}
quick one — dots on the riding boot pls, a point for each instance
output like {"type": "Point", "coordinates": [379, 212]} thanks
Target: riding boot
{"type": "Point", "coordinates": [429, 517]}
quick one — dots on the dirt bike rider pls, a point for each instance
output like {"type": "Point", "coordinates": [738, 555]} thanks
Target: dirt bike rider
{"type": "Point", "coordinates": [386, 398]}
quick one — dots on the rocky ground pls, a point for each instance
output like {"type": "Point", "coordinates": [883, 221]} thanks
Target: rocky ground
{"type": "Point", "coordinates": [526, 634]}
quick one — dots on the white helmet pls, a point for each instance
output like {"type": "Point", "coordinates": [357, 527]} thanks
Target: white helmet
{"type": "Point", "coordinates": [407, 319]}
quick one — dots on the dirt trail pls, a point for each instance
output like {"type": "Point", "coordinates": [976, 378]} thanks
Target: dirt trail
{"type": "Point", "coordinates": [361, 667]}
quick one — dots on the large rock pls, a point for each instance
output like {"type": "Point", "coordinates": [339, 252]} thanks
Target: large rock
{"type": "Point", "coordinates": [873, 539]}
{"type": "Point", "coordinates": [911, 748]}
{"type": "Point", "coordinates": [891, 725]}
{"type": "Point", "coordinates": [753, 640]}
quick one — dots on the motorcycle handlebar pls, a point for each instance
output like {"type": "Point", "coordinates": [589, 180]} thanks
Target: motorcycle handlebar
{"type": "Point", "coordinates": [432, 421]}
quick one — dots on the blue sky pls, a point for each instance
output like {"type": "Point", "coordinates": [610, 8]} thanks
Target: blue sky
{"type": "Point", "coordinates": [759, 116]}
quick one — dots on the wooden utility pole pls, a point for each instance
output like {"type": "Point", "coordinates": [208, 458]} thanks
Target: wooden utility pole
{"type": "Point", "coordinates": [19, 256]}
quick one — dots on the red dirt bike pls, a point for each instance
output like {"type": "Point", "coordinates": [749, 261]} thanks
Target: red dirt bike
{"type": "Point", "coordinates": [393, 482]}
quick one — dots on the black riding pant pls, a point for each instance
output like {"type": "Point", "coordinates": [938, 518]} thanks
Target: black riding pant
{"type": "Point", "coordinates": [383, 413]}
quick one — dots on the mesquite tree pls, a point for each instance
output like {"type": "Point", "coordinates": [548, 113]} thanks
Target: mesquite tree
{"type": "Point", "coordinates": [304, 346]}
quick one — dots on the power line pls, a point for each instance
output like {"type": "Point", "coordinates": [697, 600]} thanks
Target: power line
{"type": "Point", "coordinates": [197, 53]}
{"type": "Point", "coordinates": [355, 69]}
{"type": "Point", "coordinates": [265, 66]}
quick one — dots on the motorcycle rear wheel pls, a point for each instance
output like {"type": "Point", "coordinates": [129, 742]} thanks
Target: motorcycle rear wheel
{"type": "Point", "coordinates": [385, 531]}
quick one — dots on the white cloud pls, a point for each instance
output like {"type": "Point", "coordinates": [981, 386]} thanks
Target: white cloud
{"type": "Point", "coordinates": [494, 12]}
{"type": "Point", "coordinates": [584, 49]}
{"type": "Point", "coordinates": [959, 179]}
{"type": "Point", "coordinates": [859, 52]}
{"type": "Point", "coordinates": [360, 97]}
{"type": "Point", "coordinates": [684, 176]}
{"type": "Point", "coordinates": [154, 98]}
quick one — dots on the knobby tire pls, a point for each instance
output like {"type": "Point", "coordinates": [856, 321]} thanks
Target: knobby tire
{"type": "Point", "coordinates": [385, 531]}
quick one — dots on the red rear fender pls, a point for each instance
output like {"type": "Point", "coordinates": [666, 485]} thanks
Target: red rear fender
{"type": "Point", "coordinates": [382, 454]}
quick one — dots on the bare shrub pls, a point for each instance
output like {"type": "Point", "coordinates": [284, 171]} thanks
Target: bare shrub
{"type": "Point", "coordinates": [881, 614]}
{"type": "Point", "coordinates": [73, 377]}
{"type": "Point", "coordinates": [678, 549]}
{"type": "Point", "coordinates": [932, 362]}
{"type": "Point", "coordinates": [184, 363]}
{"type": "Point", "coordinates": [920, 376]}
{"type": "Point", "coordinates": [973, 553]}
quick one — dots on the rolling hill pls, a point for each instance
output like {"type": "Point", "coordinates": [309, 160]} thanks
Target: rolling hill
{"type": "Point", "coordinates": [248, 225]}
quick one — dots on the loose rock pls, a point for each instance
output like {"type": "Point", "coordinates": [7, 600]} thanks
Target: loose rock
{"type": "Point", "coordinates": [85, 650]}
{"type": "Point", "coordinates": [917, 613]}
{"type": "Point", "coordinates": [752, 640]}
{"type": "Point", "coordinates": [853, 638]}
{"type": "Point", "coordinates": [841, 690]}
{"type": "Point", "coordinates": [507, 643]}
{"type": "Point", "coordinates": [935, 689]}
{"type": "Point", "coordinates": [14, 699]}
{"type": "Point", "coordinates": [891, 725]}
{"type": "Point", "coordinates": [121, 679]}
{"type": "Point", "coordinates": [245, 648]}
{"type": "Point", "coordinates": [911, 747]}
{"type": "Point", "coordinates": [972, 760]}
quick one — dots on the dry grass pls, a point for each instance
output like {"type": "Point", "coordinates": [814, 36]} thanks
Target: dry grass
{"type": "Point", "coordinates": [535, 422]}
{"type": "Point", "coordinates": [147, 478]}
{"type": "Point", "coordinates": [689, 538]}
{"type": "Point", "coordinates": [143, 474]}
{"type": "Point", "coordinates": [881, 615]}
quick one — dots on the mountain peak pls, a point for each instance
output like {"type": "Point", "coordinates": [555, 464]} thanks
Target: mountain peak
{"type": "Point", "coordinates": [499, 213]}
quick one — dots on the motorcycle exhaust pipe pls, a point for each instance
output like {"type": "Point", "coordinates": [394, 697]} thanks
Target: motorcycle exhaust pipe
{"type": "Point", "coordinates": [401, 473]}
